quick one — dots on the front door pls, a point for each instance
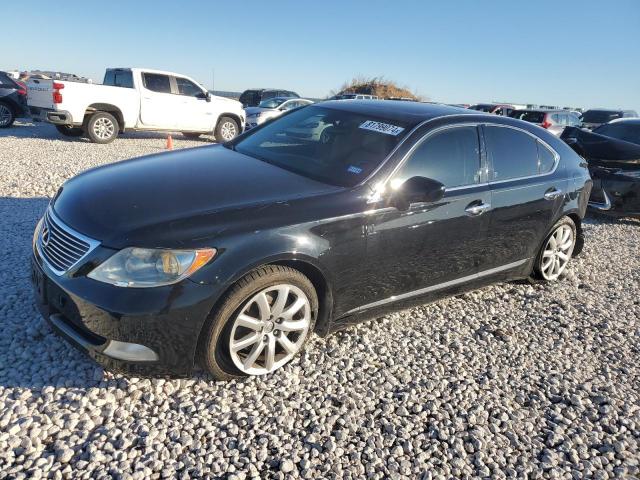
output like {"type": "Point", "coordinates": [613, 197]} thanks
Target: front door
{"type": "Point", "coordinates": [194, 112]}
{"type": "Point", "coordinates": [430, 244]}
{"type": "Point", "coordinates": [527, 192]}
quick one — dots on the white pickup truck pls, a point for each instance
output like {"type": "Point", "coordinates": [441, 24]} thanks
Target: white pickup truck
{"type": "Point", "coordinates": [134, 99]}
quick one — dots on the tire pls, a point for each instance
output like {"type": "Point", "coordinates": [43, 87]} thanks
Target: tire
{"type": "Point", "coordinates": [68, 131]}
{"type": "Point", "coordinates": [227, 129]}
{"type": "Point", "coordinates": [556, 251]}
{"type": "Point", "coordinates": [7, 115]}
{"type": "Point", "coordinates": [191, 135]}
{"type": "Point", "coordinates": [224, 326]}
{"type": "Point", "coordinates": [102, 127]}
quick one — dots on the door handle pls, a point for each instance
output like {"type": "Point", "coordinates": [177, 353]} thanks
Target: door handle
{"type": "Point", "coordinates": [474, 208]}
{"type": "Point", "coordinates": [552, 193]}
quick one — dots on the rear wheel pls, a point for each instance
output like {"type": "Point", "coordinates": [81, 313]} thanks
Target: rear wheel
{"type": "Point", "coordinates": [7, 116]}
{"type": "Point", "coordinates": [102, 127]}
{"type": "Point", "coordinates": [68, 131]}
{"type": "Point", "coordinates": [227, 129]}
{"type": "Point", "coordinates": [556, 250]}
{"type": "Point", "coordinates": [264, 321]}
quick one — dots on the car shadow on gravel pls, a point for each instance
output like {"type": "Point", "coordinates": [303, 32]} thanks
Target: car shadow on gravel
{"type": "Point", "coordinates": [31, 355]}
{"type": "Point", "coordinates": [611, 220]}
{"type": "Point", "coordinates": [24, 128]}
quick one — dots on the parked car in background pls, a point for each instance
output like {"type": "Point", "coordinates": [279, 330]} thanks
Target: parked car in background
{"type": "Point", "coordinates": [553, 120]}
{"type": "Point", "coordinates": [354, 96]}
{"type": "Point", "coordinates": [272, 108]}
{"type": "Point", "coordinates": [613, 153]}
{"type": "Point", "coordinates": [595, 117]}
{"type": "Point", "coordinates": [495, 108]}
{"type": "Point", "coordinates": [13, 100]}
{"type": "Point", "coordinates": [253, 97]}
{"type": "Point", "coordinates": [396, 205]}
{"type": "Point", "coordinates": [134, 99]}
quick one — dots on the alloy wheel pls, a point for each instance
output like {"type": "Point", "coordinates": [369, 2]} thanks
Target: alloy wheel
{"type": "Point", "coordinates": [228, 131]}
{"type": "Point", "coordinates": [270, 329]}
{"type": "Point", "coordinates": [103, 128]}
{"type": "Point", "coordinates": [557, 252]}
{"type": "Point", "coordinates": [5, 115]}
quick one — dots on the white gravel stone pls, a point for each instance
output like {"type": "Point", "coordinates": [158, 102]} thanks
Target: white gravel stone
{"type": "Point", "coordinates": [513, 380]}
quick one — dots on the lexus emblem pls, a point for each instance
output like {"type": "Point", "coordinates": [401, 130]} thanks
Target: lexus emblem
{"type": "Point", "coordinates": [44, 237]}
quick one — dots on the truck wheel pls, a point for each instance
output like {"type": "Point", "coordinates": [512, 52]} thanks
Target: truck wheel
{"type": "Point", "coordinates": [6, 115]}
{"type": "Point", "coordinates": [227, 129]}
{"type": "Point", "coordinates": [68, 131]}
{"type": "Point", "coordinates": [191, 135]}
{"type": "Point", "coordinates": [102, 127]}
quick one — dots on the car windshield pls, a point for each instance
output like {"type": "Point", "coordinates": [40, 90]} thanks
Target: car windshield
{"type": "Point", "coordinates": [329, 145]}
{"type": "Point", "coordinates": [533, 117]}
{"type": "Point", "coordinates": [621, 131]}
{"type": "Point", "coordinates": [482, 108]}
{"type": "Point", "coordinates": [599, 116]}
{"type": "Point", "coordinates": [272, 102]}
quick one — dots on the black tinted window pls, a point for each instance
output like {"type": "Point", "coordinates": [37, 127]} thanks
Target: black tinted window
{"type": "Point", "coordinates": [622, 131]}
{"type": "Point", "coordinates": [156, 82]}
{"type": "Point", "coordinates": [451, 157]}
{"type": "Point", "coordinates": [118, 78]}
{"type": "Point", "coordinates": [546, 159]}
{"type": "Point", "coordinates": [512, 153]}
{"type": "Point", "coordinates": [188, 88]}
{"type": "Point", "coordinates": [600, 116]}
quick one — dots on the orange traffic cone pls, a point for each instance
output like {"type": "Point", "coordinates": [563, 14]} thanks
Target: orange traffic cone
{"type": "Point", "coordinates": [169, 142]}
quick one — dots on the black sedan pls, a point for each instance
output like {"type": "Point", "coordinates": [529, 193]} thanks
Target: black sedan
{"type": "Point", "coordinates": [613, 154]}
{"type": "Point", "coordinates": [233, 255]}
{"type": "Point", "coordinates": [13, 100]}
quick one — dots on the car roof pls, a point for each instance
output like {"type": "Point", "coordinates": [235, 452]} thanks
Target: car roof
{"type": "Point", "coordinates": [617, 110]}
{"type": "Point", "coordinates": [396, 109]}
{"type": "Point", "coordinates": [543, 110]}
{"type": "Point", "coordinates": [631, 120]}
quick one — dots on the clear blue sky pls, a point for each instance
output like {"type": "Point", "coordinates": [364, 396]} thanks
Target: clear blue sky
{"type": "Point", "coordinates": [578, 53]}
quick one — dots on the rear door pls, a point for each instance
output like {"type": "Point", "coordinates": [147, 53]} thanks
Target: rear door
{"type": "Point", "coordinates": [157, 102]}
{"type": "Point", "coordinates": [527, 192]}
{"type": "Point", "coordinates": [430, 244]}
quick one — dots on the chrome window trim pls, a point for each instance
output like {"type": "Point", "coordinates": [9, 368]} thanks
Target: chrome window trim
{"type": "Point", "coordinates": [550, 172]}
{"type": "Point", "coordinates": [439, 286]}
{"type": "Point", "coordinates": [90, 241]}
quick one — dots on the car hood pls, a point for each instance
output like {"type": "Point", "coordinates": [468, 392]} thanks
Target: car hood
{"type": "Point", "coordinates": [254, 110]}
{"type": "Point", "coordinates": [156, 199]}
{"type": "Point", "coordinates": [600, 150]}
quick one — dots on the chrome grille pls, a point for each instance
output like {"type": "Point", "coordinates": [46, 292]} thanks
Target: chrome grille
{"type": "Point", "coordinates": [60, 246]}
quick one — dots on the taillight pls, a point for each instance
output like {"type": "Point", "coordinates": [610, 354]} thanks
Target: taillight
{"type": "Point", "coordinates": [22, 89]}
{"type": "Point", "coordinates": [546, 123]}
{"type": "Point", "coordinates": [57, 95]}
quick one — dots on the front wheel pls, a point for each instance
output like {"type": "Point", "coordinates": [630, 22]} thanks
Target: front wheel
{"type": "Point", "coordinates": [68, 131]}
{"type": "Point", "coordinates": [226, 130]}
{"type": "Point", "coordinates": [7, 116]}
{"type": "Point", "coordinates": [102, 127]}
{"type": "Point", "coordinates": [264, 321]}
{"type": "Point", "coordinates": [556, 250]}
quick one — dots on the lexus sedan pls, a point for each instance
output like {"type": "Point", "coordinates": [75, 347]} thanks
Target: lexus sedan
{"type": "Point", "coordinates": [233, 255]}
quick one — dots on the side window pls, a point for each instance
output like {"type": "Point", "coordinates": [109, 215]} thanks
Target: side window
{"type": "Point", "coordinates": [452, 157]}
{"type": "Point", "coordinates": [546, 159]}
{"type": "Point", "coordinates": [156, 82]}
{"type": "Point", "coordinates": [555, 118]}
{"type": "Point", "coordinates": [119, 78]}
{"type": "Point", "coordinates": [511, 153]}
{"type": "Point", "coordinates": [188, 88]}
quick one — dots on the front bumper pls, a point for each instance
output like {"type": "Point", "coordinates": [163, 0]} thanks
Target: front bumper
{"type": "Point", "coordinates": [145, 332]}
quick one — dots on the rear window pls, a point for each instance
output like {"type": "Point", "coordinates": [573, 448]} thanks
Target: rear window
{"type": "Point", "coordinates": [532, 117]}
{"type": "Point", "coordinates": [118, 78]}
{"type": "Point", "coordinates": [600, 116]}
{"type": "Point", "coordinates": [157, 82]}
{"type": "Point", "coordinates": [621, 131]}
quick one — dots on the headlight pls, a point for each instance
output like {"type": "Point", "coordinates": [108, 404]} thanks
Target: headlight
{"type": "Point", "coordinates": [143, 267]}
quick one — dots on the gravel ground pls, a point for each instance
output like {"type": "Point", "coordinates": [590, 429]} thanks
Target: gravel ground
{"type": "Point", "coordinates": [514, 380]}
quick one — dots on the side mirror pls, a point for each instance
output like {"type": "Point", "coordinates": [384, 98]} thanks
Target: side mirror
{"type": "Point", "coordinates": [417, 190]}
{"type": "Point", "coordinates": [208, 96]}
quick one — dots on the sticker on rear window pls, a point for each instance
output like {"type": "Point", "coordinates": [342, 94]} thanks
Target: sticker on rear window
{"type": "Point", "coordinates": [382, 127]}
{"type": "Point", "coordinates": [353, 169]}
